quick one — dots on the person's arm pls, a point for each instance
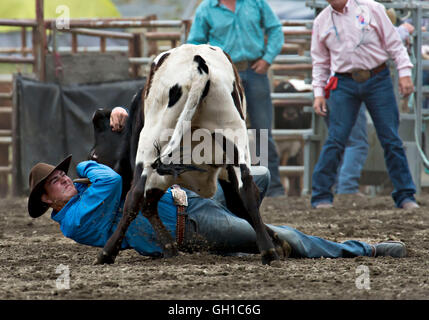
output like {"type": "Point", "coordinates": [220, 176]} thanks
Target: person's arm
{"type": "Point", "coordinates": [394, 46]}
{"type": "Point", "coordinates": [199, 33]}
{"type": "Point", "coordinates": [321, 61]}
{"type": "Point", "coordinates": [97, 204]}
{"type": "Point", "coordinates": [274, 32]}
{"type": "Point", "coordinates": [405, 30]}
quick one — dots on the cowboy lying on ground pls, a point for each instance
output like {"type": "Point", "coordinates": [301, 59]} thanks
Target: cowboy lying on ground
{"type": "Point", "coordinates": [89, 214]}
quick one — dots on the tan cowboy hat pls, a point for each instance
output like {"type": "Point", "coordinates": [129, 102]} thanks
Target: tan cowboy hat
{"type": "Point", "coordinates": [391, 13]}
{"type": "Point", "coordinates": [38, 175]}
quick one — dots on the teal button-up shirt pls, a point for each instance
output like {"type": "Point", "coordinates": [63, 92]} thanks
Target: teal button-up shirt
{"type": "Point", "coordinates": [240, 33]}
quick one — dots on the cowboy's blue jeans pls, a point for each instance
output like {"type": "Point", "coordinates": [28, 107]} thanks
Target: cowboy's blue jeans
{"type": "Point", "coordinates": [354, 157]}
{"type": "Point", "coordinates": [226, 233]}
{"type": "Point", "coordinates": [344, 104]}
{"type": "Point", "coordinates": [260, 111]}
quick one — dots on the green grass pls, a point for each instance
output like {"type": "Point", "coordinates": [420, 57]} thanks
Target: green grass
{"type": "Point", "coordinates": [9, 68]}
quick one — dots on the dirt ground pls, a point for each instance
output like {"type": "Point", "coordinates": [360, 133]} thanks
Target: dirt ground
{"type": "Point", "coordinates": [35, 258]}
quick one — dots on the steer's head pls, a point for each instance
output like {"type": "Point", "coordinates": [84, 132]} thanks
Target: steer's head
{"type": "Point", "coordinates": [107, 142]}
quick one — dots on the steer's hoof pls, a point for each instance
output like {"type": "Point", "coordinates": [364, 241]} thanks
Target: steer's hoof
{"type": "Point", "coordinates": [104, 258]}
{"type": "Point", "coordinates": [283, 248]}
{"type": "Point", "coordinates": [170, 250]}
{"type": "Point", "coordinates": [269, 256]}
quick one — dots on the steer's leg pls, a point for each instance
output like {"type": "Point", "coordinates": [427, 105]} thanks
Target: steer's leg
{"type": "Point", "coordinates": [150, 211]}
{"type": "Point", "coordinates": [133, 203]}
{"type": "Point", "coordinates": [234, 203]}
{"type": "Point", "coordinates": [249, 195]}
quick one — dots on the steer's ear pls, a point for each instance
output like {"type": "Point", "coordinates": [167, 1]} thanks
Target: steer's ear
{"type": "Point", "coordinates": [101, 119]}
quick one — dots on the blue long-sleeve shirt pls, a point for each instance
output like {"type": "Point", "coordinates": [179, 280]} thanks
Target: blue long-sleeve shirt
{"type": "Point", "coordinates": [93, 214]}
{"type": "Point", "coordinates": [240, 33]}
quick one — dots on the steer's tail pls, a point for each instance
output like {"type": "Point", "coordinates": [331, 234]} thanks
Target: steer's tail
{"type": "Point", "coordinates": [199, 89]}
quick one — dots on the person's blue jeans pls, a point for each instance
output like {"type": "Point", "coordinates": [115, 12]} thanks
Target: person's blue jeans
{"type": "Point", "coordinates": [225, 233]}
{"type": "Point", "coordinates": [344, 104]}
{"type": "Point", "coordinates": [260, 111]}
{"type": "Point", "coordinates": [425, 83]}
{"type": "Point", "coordinates": [354, 156]}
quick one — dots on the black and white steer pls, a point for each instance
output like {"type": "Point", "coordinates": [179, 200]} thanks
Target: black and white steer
{"type": "Point", "coordinates": [191, 88]}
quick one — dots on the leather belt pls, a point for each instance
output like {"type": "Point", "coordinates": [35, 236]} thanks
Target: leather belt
{"type": "Point", "coordinates": [244, 65]}
{"type": "Point", "coordinates": [180, 224]}
{"type": "Point", "coordinates": [363, 75]}
{"type": "Point", "coordinates": [181, 202]}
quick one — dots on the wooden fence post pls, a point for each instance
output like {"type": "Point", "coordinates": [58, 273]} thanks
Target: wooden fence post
{"type": "Point", "coordinates": [103, 44]}
{"type": "Point", "coordinates": [16, 162]}
{"type": "Point", "coordinates": [152, 45]}
{"type": "Point", "coordinates": [135, 52]}
{"type": "Point", "coordinates": [23, 41]}
{"type": "Point", "coordinates": [39, 42]}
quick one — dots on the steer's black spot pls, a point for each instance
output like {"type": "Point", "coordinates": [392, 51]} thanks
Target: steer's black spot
{"type": "Point", "coordinates": [162, 59]}
{"type": "Point", "coordinates": [237, 101]}
{"type": "Point", "coordinates": [206, 90]}
{"type": "Point", "coordinates": [174, 95]}
{"type": "Point", "coordinates": [202, 66]}
{"type": "Point", "coordinates": [139, 168]}
{"type": "Point", "coordinates": [149, 79]}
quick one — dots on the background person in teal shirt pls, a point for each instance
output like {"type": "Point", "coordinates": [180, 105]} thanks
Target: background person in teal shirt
{"type": "Point", "coordinates": [239, 27]}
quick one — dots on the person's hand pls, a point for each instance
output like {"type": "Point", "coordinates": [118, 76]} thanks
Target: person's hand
{"type": "Point", "coordinates": [425, 52]}
{"type": "Point", "coordinates": [260, 66]}
{"type": "Point", "coordinates": [319, 106]}
{"type": "Point", "coordinates": [118, 117]}
{"type": "Point", "coordinates": [406, 86]}
{"type": "Point", "coordinates": [408, 26]}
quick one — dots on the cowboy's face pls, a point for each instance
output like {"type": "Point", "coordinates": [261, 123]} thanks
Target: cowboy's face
{"type": "Point", "coordinates": [337, 4]}
{"type": "Point", "coordinates": [59, 188]}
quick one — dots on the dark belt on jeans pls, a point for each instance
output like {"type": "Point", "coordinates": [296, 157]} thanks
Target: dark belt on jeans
{"type": "Point", "coordinates": [363, 75]}
{"type": "Point", "coordinates": [180, 224]}
{"type": "Point", "coordinates": [181, 202]}
{"type": "Point", "coordinates": [244, 65]}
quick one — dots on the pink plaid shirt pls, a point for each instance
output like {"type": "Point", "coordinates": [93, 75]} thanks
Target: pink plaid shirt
{"type": "Point", "coordinates": [362, 37]}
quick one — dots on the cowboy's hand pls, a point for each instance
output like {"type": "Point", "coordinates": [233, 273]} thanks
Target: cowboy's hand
{"type": "Point", "coordinates": [260, 66]}
{"type": "Point", "coordinates": [406, 86]}
{"type": "Point", "coordinates": [118, 117]}
{"type": "Point", "coordinates": [319, 106]}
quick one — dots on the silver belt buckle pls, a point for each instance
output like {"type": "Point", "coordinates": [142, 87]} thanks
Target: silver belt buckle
{"type": "Point", "coordinates": [361, 75]}
{"type": "Point", "coordinates": [179, 196]}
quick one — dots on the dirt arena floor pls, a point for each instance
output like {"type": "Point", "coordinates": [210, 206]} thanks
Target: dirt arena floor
{"type": "Point", "coordinates": [35, 258]}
